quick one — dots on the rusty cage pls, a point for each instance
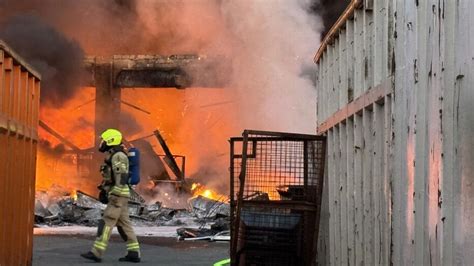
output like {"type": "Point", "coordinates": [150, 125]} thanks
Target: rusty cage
{"type": "Point", "coordinates": [276, 186]}
{"type": "Point", "coordinates": [19, 105]}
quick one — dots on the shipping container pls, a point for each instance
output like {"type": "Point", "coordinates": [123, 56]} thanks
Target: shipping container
{"type": "Point", "coordinates": [19, 105]}
{"type": "Point", "coordinates": [395, 99]}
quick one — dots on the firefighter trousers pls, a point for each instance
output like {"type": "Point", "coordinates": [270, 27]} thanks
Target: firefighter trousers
{"type": "Point", "coordinates": [115, 214]}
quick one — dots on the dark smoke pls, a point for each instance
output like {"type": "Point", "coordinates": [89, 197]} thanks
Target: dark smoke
{"type": "Point", "coordinates": [56, 150]}
{"type": "Point", "coordinates": [329, 10]}
{"type": "Point", "coordinates": [82, 123]}
{"type": "Point", "coordinates": [58, 59]}
{"type": "Point", "coordinates": [308, 71]}
{"type": "Point", "coordinates": [103, 27]}
{"type": "Point", "coordinates": [126, 6]}
{"type": "Point", "coordinates": [128, 124]}
{"type": "Point", "coordinates": [151, 163]}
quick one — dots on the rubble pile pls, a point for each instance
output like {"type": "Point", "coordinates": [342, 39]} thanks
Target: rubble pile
{"type": "Point", "coordinates": [204, 217]}
{"type": "Point", "coordinates": [206, 209]}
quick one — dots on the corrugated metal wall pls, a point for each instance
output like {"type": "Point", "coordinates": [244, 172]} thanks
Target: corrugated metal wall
{"type": "Point", "coordinates": [19, 104]}
{"type": "Point", "coordinates": [395, 100]}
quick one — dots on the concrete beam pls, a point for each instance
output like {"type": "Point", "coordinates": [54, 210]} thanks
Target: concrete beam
{"type": "Point", "coordinates": [110, 75]}
{"type": "Point", "coordinates": [58, 136]}
{"type": "Point", "coordinates": [157, 71]}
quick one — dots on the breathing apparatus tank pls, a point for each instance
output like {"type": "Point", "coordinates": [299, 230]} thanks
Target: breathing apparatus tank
{"type": "Point", "coordinates": [134, 166]}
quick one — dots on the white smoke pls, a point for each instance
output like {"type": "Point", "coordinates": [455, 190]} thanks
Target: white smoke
{"type": "Point", "coordinates": [269, 45]}
{"type": "Point", "coordinates": [273, 44]}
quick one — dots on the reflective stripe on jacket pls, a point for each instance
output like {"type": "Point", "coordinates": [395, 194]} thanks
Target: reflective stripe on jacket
{"type": "Point", "coordinates": [119, 165]}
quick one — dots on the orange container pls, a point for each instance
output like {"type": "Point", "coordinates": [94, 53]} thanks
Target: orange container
{"type": "Point", "coordinates": [19, 106]}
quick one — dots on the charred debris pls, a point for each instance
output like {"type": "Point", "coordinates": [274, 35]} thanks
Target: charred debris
{"type": "Point", "coordinates": [203, 219]}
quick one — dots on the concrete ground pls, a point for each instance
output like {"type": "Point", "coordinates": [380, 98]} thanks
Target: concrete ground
{"type": "Point", "coordinates": [65, 250]}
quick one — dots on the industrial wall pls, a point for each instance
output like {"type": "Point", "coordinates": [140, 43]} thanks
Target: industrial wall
{"type": "Point", "coordinates": [19, 104]}
{"type": "Point", "coordinates": [395, 99]}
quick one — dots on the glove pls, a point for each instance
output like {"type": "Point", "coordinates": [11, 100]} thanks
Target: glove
{"type": "Point", "coordinates": [105, 171]}
{"type": "Point", "coordinates": [103, 197]}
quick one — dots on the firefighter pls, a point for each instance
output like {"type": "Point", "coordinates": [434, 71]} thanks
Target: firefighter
{"type": "Point", "coordinates": [115, 192]}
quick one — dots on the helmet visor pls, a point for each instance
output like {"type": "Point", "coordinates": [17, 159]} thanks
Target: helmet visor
{"type": "Point", "coordinates": [103, 146]}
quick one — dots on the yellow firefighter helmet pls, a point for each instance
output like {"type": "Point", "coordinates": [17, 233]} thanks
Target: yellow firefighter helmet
{"type": "Point", "coordinates": [111, 137]}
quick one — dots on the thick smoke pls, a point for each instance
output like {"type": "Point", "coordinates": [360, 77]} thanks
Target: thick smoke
{"type": "Point", "coordinates": [329, 10]}
{"type": "Point", "coordinates": [129, 124]}
{"type": "Point", "coordinates": [272, 44]}
{"type": "Point", "coordinates": [57, 58]}
{"type": "Point", "coordinates": [108, 27]}
{"type": "Point", "coordinates": [268, 47]}
{"type": "Point", "coordinates": [271, 49]}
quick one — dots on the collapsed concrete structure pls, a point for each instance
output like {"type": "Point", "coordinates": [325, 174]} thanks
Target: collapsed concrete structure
{"type": "Point", "coordinates": [110, 75]}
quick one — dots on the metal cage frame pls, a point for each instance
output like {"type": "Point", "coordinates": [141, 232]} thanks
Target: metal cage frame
{"type": "Point", "coordinates": [263, 222]}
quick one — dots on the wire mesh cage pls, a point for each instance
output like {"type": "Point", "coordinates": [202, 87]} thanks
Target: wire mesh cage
{"type": "Point", "coordinates": [276, 187]}
{"type": "Point", "coordinates": [270, 238]}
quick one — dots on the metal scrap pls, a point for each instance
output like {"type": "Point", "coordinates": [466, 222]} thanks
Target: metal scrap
{"type": "Point", "coordinates": [54, 209]}
{"type": "Point", "coordinates": [40, 210]}
{"type": "Point", "coordinates": [88, 202]}
{"type": "Point", "coordinates": [208, 208]}
{"type": "Point", "coordinates": [220, 236]}
{"type": "Point", "coordinates": [169, 158]}
{"type": "Point", "coordinates": [212, 216]}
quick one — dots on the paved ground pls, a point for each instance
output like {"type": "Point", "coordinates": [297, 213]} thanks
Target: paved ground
{"type": "Point", "coordinates": [65, 250]}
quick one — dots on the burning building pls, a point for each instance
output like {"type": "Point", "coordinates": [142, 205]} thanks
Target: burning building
{"type": "Point", "coordinates": [178, 95]}
{"type": "Point", "coordinates": [395, 101]}
{"type": "Point", "coordinates": [109, 77]}
{"type": "Point", "coordinates": [197, 121]}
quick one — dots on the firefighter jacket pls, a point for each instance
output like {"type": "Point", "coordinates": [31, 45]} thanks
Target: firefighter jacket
{"type": "Point", "coordinates": [115, 173]}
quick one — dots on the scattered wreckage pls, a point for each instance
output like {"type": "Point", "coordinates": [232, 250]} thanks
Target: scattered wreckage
{"type": "Point", "coordinates": [204, 216]}
{"type": "Point", "coordinates": [204, 219]}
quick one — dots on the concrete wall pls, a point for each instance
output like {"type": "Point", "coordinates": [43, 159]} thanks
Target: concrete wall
{"type": "Point", "coordinates": [395, 100]}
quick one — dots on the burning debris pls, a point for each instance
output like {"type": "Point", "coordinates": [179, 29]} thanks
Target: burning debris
{"type": "Point", "coordinates": [207, 210]}
{"type": "Point", "coordinates": [204, 217]}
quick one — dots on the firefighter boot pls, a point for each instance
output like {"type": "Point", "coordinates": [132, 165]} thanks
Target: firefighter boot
{"type": "Point", "coordinates": [132, 256]}
{"type": "Point", "coordinates": [91, 256]}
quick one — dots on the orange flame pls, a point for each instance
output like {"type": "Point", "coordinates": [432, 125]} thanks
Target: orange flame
{"type": "Point", "coordinates": [200, 190]}
{"type": "Point", "coordinates": [74, 195]}
{"type": "Point", "coordinates": [173, 112]}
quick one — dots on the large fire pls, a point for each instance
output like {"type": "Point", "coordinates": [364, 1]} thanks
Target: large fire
{"type": "Point", "coordinates": [189, 120]}
{"type": "Point", "coordinates": [56, 167]}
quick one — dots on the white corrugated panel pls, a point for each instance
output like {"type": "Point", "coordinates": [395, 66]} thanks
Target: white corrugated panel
{"type": "Point", "coordinates": [395, 99]}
